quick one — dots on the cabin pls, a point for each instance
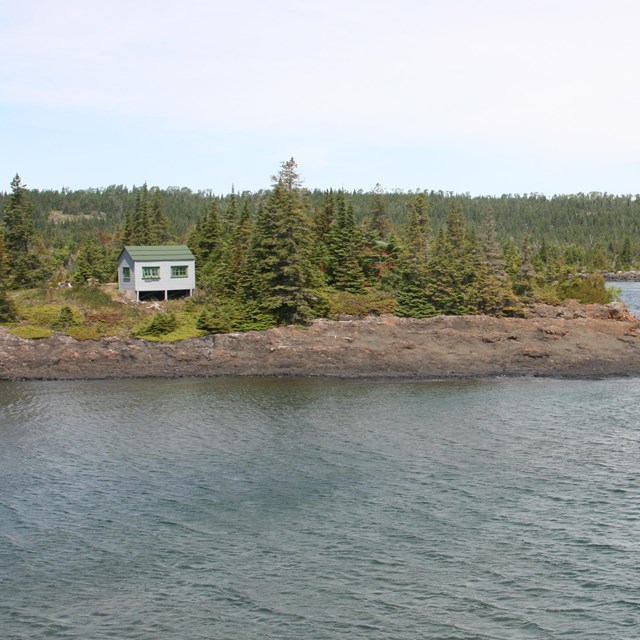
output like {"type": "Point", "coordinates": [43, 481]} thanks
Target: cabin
{"type": "Point", "coordinates": [156, 272]}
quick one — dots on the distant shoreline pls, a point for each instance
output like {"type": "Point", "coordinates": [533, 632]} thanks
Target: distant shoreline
{"type": "Point", "coordinates": [621, 276]}
{"type": "Point", "coordinates": [578, 341]}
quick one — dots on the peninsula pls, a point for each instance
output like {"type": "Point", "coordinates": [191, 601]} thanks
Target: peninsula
{"type": "Point", "coordinates": [572, 341]}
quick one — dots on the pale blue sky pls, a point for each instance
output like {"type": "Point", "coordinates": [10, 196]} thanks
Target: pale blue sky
{"type": "Point", "coordinates": [485, 96]}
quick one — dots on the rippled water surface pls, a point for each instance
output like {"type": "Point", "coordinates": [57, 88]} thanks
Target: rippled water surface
{"type": "Point", "coordinates": [630, 295]}
{"type": "Point", "coordinates": [252, 509]}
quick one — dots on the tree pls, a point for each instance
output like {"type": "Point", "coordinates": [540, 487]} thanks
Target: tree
{"type": "Point", "coordinates": [280, 251]}
{"type": "Point", "coordinates": [21, 238]}
{"type": "Point", "coordinates": [625, 255]}
{"type": "Point", "coordinates": [451, 269]}
{"type": "Point", "coordinates": [93, 262]}
{"type": "Point", "coordinates": [160, 225]}
{"type": "Point", "coordinates": [380, 223]}
{"type": "Point", "coordinates": [413, 264]}
{"type": "Point", "coordinates": [345, 248]}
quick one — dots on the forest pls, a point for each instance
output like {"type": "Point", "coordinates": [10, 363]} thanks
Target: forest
{"type": "Point", "coordinates": [289, 254]}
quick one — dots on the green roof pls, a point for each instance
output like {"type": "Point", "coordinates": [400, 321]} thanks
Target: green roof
{"type": "Point", "coordinates": [172, 252]}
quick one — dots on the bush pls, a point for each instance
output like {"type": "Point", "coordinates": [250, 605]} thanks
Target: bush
{"type": "Point", "coordinates": [227, 315]}
{"type": "Point", "coordinates": [361, 304]}
{"type": "Point", "coordinates": [585, 289]}
{"type": "Point", "coordinates": [160, 324]}
{"type": "Point", "coordinates": [7, 308]}
{"type": "Point", "coordinates": [65, 319]}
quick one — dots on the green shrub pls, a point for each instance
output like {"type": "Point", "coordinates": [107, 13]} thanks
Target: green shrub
{"type": "Point", "coordinates": [32, 332]}
{"type": "Point", "coordinates": [227, 315]}
{"type": "Point", "coordinates": [361, 304]}
{"type": "Point", "coordinates": [7, 308]}
{"type": "Point", "coordinates": [160, 324]}
{"type": "Point", "coordinates": [65, 319]}
{"type": "Point", "coordinates": [585, 289]}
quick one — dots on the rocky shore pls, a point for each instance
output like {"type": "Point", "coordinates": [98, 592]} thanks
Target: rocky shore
{"type": "Point", "coordinates": [577, 341]}
{"type": "Point", "coordinates": [621, 276]}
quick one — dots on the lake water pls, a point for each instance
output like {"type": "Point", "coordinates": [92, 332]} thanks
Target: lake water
{"type": "Point", "coordinates": [630, 295]}
{"type": "Point", "coordinates": [301, 509]}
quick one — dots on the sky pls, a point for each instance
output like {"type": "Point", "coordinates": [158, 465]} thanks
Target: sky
{"type": "Point", "coordinates": [479, 96]}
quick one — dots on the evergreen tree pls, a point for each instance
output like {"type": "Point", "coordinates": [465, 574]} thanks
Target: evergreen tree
{"type": "Point", "coordinates": [239, 267]}
{"type": "Point", "coordinates": [493, 294]}
{"type": "Point", "coordinates": [345, 249]}
{"type": "Point", "coordinates": [160, 225]}
{"type": "Point", "coordinates": [20, 238]}
{"type": "Point", "coordinates": [280, 251]}
{"type": "Point", "coordinates": [451, 267]}
{"type": "Point", "coordinates": [4, 263]}
{"type": "Point", "coordinates": [93, 263]}
{"type": "Point", "coordinates": [7, 308]}
{"type": "Point", "coordinates": [141, 222]}
{"type": "Point", "coordinates": [625, 259]}
{"type": "Point", "coordinates": [413, 264]}
{"type": "Point", "coordinates": [231, 212]}
{"type": "Point", "coordinates": [380, 223]}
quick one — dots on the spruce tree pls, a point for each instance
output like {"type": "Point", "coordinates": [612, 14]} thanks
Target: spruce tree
{"type": "Point", "coordinates": [451, 268]}
{"type": "Point", "coordinates": [345, 248]}
{"type": "Point", "coordinates": [625, 259]}
{"type": "Point", "coordinates": [280, 251]}
{"type": "Point", "coordinates": [160, 225]}
{"type": "Point", "coordinates": [141, 221]}
{"type": "Point", "coordinates": [239, 268]}
{"type": "Point", "coordinates": [21, 238]}
{"type": "Point", "coordinates": [413, 265]}
{"type": "Point", "coordinates": [7, 308]}
{"type": "Point", "coordinates": [380, 224]}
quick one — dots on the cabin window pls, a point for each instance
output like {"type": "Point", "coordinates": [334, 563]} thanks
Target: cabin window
{"type": "Point", "coordinates": [150, 273]}
{"type": "Point", "coordinates": [126, 274]}
{"type": "Point", "coordinates": [179, 272]}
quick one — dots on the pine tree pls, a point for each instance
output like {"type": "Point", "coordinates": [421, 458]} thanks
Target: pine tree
{"type": "Point", "coordinates": [7, 308]}
{"type": "Point", "coordinates": [21, 238]}
{"type": "Point", "coordinates": [451, 267]}
{"type": "Point", "coordinates": [625, 259]}
{"type": "Point", "coordinates": [231, 212]}
{"type": "Point", "coordinates": [280, 251]}
{"type": "Point", "coordinates": [380, 223]}
{"type": "Point", "coordinates": [160, 225]}
{"type": "Point", "coordinates": [345, 249]}
{"type": "Point", "coordinates": [492, 291]}
{"type": "Point", "coordinates": [92, 263]}
{"type": "Point", "coordinates": [413, 265]}
{"type": "Point", "coordinates": [239, 268]}
{"type": "Point", "coordinates": [141, 221]}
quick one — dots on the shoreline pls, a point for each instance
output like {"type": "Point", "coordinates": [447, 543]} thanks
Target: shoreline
{"type": "Point", "coordinates": [573, 342]}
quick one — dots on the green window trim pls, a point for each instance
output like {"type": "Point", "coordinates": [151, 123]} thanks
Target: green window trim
{"type": "Point", "coordinates": [179, 271]}
{"type": "Point", "coordinates": [126, 274]}
{"type": "Point", "coordinates": [151, 273]}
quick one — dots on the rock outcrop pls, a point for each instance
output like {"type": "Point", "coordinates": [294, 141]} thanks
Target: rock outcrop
{"type": "Point", "coordinates": [569, 341]}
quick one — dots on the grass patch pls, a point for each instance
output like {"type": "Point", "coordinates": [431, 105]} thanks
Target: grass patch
{"type": "Point", "coordinates": [55, 316]}
{"type": "Point", "coordinates": [31, 332]}
{"type": "Point", "coordinates": [86, 332]}
{"type": "Point", "coordinates": [88, 297]}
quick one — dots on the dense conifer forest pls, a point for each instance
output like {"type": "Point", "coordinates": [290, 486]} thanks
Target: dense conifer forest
{"type": "Point", "coordinates": [289, 254]}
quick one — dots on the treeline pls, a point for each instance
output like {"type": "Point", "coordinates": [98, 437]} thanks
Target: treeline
{"type": "Point", "coordinates": [288, 254]}
{"type": "Point", "coordinates": [601, 231]}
